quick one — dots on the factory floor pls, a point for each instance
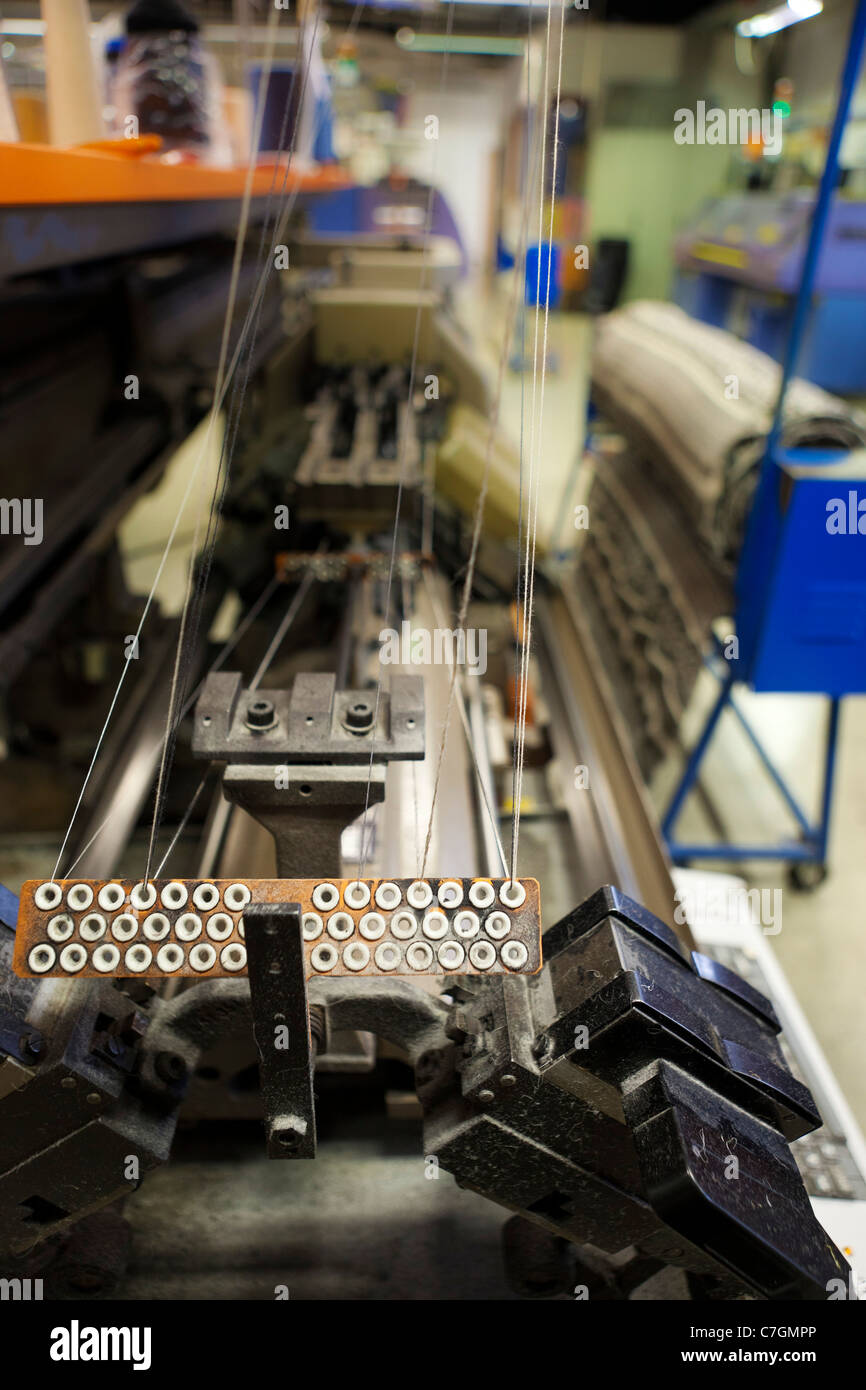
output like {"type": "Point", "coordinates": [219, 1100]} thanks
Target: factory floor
{"type": "Point", "coordinates": [822, 942]}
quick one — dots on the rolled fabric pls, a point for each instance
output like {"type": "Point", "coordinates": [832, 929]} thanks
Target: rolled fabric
{"type": "Point", "coordinates": [667, 381]}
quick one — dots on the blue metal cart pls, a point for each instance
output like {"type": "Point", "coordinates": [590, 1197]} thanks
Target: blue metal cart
{"type": "Point", "coordinates": [801, 581]}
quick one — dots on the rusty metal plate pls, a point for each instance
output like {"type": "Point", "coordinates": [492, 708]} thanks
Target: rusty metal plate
{"type": "Point", "coordinates": [195, 927]}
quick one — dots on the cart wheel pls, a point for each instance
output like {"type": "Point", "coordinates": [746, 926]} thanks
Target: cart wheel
{"type": "Point", "coordinates": [807, 875]}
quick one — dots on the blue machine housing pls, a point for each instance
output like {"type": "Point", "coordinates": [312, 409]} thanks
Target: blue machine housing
{"type": "Point", "coordinates": [739, 267]}
{"type": "Point", "coordinates": [801, 584]}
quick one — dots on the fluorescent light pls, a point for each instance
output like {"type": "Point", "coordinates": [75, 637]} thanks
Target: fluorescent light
{"type": "Point", "coordinates": [23, 28]}
{"type": "Point", "coordinates": [486, 45]}
{"type": "Point", "coordinates": [760, 25]}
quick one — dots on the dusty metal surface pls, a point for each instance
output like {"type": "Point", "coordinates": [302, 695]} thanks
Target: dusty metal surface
{"type": "Point", "coordinates": [311, 723]}
{"type": "Point", "coordinates": [189, 927]}
{"type": "Point", "coordinates": [615, 830]}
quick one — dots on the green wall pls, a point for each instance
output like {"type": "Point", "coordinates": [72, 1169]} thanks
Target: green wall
{"type": "Point", "coordinates": [644, 187]}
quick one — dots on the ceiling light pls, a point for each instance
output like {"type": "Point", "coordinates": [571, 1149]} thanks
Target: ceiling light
{"type": "Point", "coordinates": [771, 21]}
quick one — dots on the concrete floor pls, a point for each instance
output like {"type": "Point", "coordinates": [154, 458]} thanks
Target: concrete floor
{"type": "Point", "coordinates": [822, 942]}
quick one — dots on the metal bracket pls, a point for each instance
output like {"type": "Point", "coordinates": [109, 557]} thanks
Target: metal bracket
{"type": "Point", "coordinates": [305, 809]}
{"type": "Point", "coordinates": [311, 723]}
{"type": "Point", "coordinates": [281, 1024]}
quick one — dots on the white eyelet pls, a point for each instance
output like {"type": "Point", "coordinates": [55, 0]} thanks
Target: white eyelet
{"type": "Point", "coordinates": [138, 958]}
{"type": "Point", "coordinates": [324, 956]}
{"type": "Point", "coordinates": [497, 925]}
{"type": "Point", "coordinates": [156, 926]}
{"type": "Point", "coordinates": [482, 893]}
{"type": "Point", "coordinates": [372, 925]}
{"type": "Point", "coordinates": [242, 931]}
{"type": "Point", "coordinates": [340, 925]}
{"type": "Point", "coordinates": [202, 956]}
{"type": "Point", "coordinates": [482, 954]}
{"type": "Point", "coordinates": [205, 896]}
{"type": "Point", "coordinates": [311, 926]}
{"type": "Point", "coordinates": [92, 927]}
{"type": "Point", "coordinates": [61, 927]}
{"type": "Point", "coordinates": [450, 893]}
{"type": "Point", "coordinates": [325, 896]}
{"type": "Point", "coordinates": [143, 896]}
{"type": "Point", "coordinates": [73, 958]}
{"type": "Point", "coordinates": [451, 955]}
{"type": "Point", "coordinates": [111, 896]}
{"type": "Point", "coordinates": [188, 926]}
{"type": "Point", "coordinates": [236, 896]}
{"type": "Point", "coordinates": [80, 896]}
{"type": "Point", "coordinates": [170, 957]}
{"type": "Point", "coordinates": [404, 925]}
{"type": "Point", "coordinates": [124, 927]}
{"type": "Point", "coordinates": [105, 957]}
{"type": "Point", "coordinates": [419, 894]}
{"type": "Point", "coordinates": [48, 895]}
{"type": "Point", "coordinates": [233, 957]}
{"type": "Point", "coordinates": [356, 894]}
{"type": "Point", "coordinates": [219, 926]}
{"type": "Point", "coordinates": [514, 954]}
{"type": "Point", "coordinates": [512, 894]}
{"type": "Point", "coordinates": [419, 955]}
{"type": "Point", "coordinates": [388, 895]}
{"type": "Point", "coordinates": [387, 955]}
{"type": "Point", "coordinates": [41, 958]}
{"type": "Point", "coordinates": [466, 924]}
{"type": "Point", "coordinates": [174, 894]}
{"type": "Point", "coordinates": [356, 955]}
{"type": "Point", "coordinates": [435, 924]}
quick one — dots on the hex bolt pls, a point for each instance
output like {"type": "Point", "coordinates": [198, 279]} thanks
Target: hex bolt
{"type": "Point", "coordinates": [288, 1131]}
{"type": "Point", "coordinates": [358, 718]}
{"type": "Point", "coordinates": [260, 715]}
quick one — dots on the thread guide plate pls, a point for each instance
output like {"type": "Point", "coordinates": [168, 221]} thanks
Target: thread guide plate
{"type": "Point", "coordinates": [194, 928]}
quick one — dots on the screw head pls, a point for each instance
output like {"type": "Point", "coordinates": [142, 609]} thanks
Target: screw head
{"type": "Point", "coordinates": [359, 716]}
{"type": "Point", "coordinates": [485, 1096]}
{"type": "Point", "coordinates": [261, 714]}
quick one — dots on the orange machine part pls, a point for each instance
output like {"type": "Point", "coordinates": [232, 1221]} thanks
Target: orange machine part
{"type": "Point", "coordinates": [119, 171]}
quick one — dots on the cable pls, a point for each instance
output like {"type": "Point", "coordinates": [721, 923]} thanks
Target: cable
{"type": "Point", "coordinates": [224, 653]}
{"type": "Point", "coordinates": [530, 592]}
{"type": "Point", "coordinates": [221, 386]}
{"type": "Point", "coordinates": [364, 839]}
{"type": "Point", "coordinates": [196, 585]}
{"type": "Point", "coordinates": [479, 510]}
{"type": "Point", "coordinates": [292, 612]}
{"type": "Point", "coordinates": [272, 649]}
{"type": "Point", "coordinates": [461, 705]}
